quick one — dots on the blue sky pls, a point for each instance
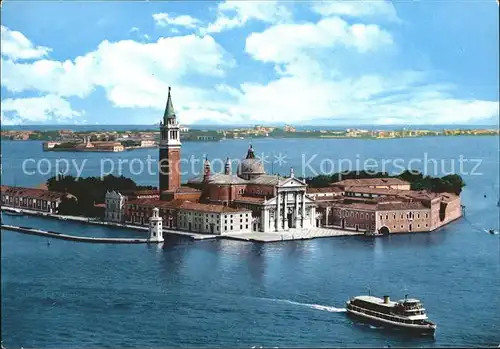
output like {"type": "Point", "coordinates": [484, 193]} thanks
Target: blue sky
{"type": "Point", "coordinates": [251, 62]}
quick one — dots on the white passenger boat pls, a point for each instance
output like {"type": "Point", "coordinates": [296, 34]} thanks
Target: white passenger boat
{"type": "Point", "coordinates": [406, 314]}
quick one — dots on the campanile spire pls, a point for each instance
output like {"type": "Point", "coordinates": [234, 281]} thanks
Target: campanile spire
{"type": "Point", "coordinates": [170, 149]}
{"type": "Point", "coordinates": [169, 109]}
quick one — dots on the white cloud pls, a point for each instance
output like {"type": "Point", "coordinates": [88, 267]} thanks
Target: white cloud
{"type": "Point", "coordinates": [309, 85]}
{"type": "Point", "coordinates": [234, 14]}
{"type": "Point", "coordinates": [37, 109]}
{"type": "Point", "coordinates": [356, 101]}
{"type": "Point", "coordinates": [165, 20]}
{"type": "Point", "coordinates": [357, 8]}
{"type": "Point", "coordinates": [287, 42]}
{"type": "Point", "coordinates": [17, 46]}
{"type": "Point", "coordinates": [136, 32]}
{"type": "Point", "coordinates": [132, 74]}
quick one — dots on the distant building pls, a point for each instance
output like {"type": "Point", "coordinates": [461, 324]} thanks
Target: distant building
{"type": "Point", "coordinates": [115, 202]}
{"type": "Point", "coordinates": [145, 143]}
{"type": "Point", "coordinates": [33, 199]}
{"type": "Point", "coordinates": [50, 145]}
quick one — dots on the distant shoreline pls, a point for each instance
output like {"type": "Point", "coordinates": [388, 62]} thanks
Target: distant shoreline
{"type": "Point", "coordinates": [256, 138]}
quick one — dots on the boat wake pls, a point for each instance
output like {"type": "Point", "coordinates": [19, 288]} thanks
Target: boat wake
{"type": "Point", "coordinates": [312, 306]}
{"type": "Point", "coordinates": [495, 232]}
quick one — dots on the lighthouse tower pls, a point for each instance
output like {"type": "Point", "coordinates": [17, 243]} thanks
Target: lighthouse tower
{"type": "Point", "coordinates": [155, 227]}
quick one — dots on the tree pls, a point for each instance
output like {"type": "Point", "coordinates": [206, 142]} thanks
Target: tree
{"type": "Point", "coordinates": [89, 191]}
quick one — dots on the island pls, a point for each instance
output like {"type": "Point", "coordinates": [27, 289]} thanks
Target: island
{"type": "Point", "coordinates": [115, 141]}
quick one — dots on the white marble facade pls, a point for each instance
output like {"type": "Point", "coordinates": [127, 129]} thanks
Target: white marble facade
{"type": "Point", "coordinates": [290, 208]}
{"type": "Point", "coordinates": [115, 206]}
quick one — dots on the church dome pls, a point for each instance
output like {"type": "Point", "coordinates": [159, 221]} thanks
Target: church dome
{"type": "Point", "coordinates": [251, 166]}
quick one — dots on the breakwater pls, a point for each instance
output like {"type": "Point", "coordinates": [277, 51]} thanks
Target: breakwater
{"type": "Point", "coordinates": [90, 221]}
{"type": "Point", "coordinates": [56, 235]}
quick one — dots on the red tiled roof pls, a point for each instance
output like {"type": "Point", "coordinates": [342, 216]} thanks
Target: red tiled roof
{"type": "Point", "coordinates": [354, 205]}
{"type": "Point", "coordinates": [420, 195]}
{"type": "Point", "coordinates": [194, 206]}
{"type": "Point", "coordinates": [185, 189]}
{"type": "Point", "coordinates": [34, 193]}
{"type": "Point", "coordinates": [140, 192]}
{"type": "Point", "coordinates": [388, 206]}
{"type": "Point", "coordinates": [156, 203]}
{"type": "Point", "coordinates": [324, 190]}
{"type": "Point", "coordinates": [367, 190]}
{"type": "Point", "coordinates": [253, 199]}
{"type": "Point", "coordinates": [370, 181]}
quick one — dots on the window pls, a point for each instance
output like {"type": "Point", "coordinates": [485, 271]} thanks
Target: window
{"type": "Point", "coordinates": [231, 227]}
{"type": "Point", "coordinates": [386, 216]}
{"type": "Point", "coordinates": [241, 227]}
{"type": "Point", "coordinates": [246, 226]}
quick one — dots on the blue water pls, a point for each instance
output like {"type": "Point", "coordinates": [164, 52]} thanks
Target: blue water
{"type": "Point", "coordinates": [238, 294]}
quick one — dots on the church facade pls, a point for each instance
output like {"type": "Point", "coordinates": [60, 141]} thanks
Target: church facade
{"type": "Point", "coordinates": [277, 204]}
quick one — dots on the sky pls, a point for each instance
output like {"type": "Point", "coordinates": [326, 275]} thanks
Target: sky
{"type": "Point", "coordinates": [249, 62]}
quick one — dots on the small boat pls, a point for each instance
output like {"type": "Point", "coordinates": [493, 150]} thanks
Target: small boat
{"type": "Point", "coordinates": [407, 314]}
{"type": "Point", "coordinates": [373, 234]}
{"type": "Point", "coordinates": [15, 212]}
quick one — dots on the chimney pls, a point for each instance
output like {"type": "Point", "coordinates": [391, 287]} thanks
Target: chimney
{"type": "Point", "coordinates": [386, 299]}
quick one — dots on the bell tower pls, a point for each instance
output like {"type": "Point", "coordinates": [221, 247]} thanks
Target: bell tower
{"type": "Point", "coordinates": [170, 150]}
